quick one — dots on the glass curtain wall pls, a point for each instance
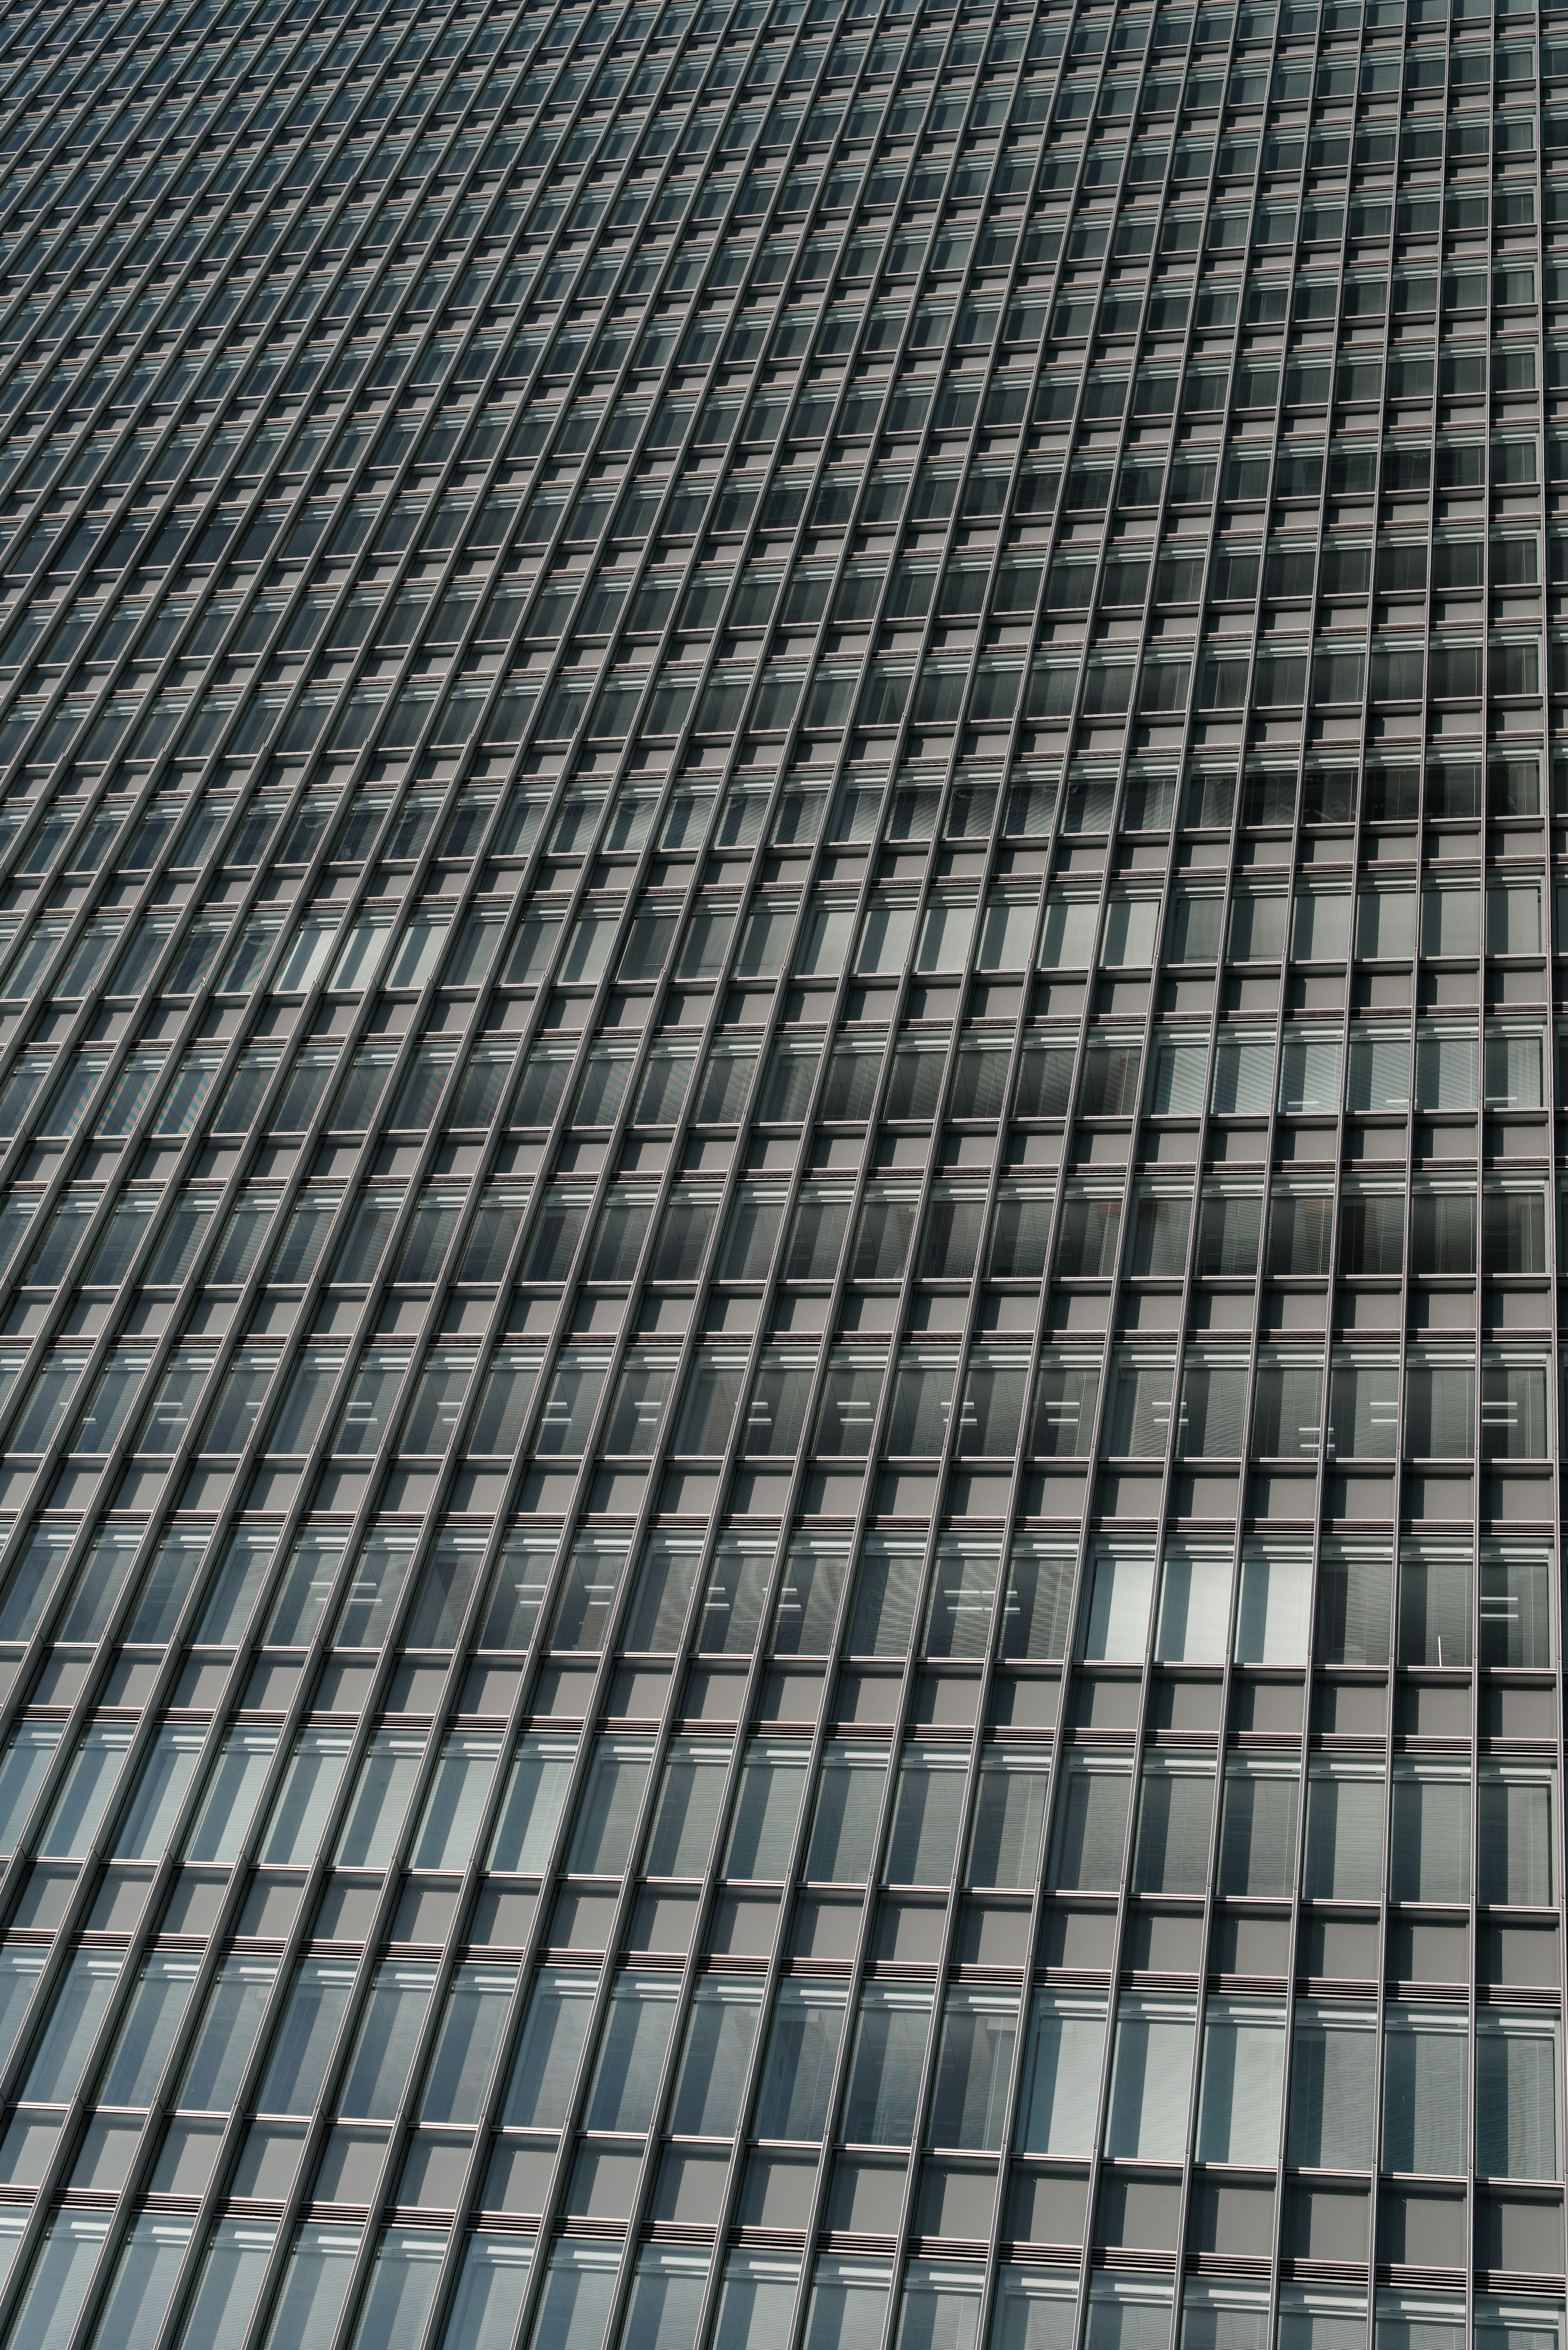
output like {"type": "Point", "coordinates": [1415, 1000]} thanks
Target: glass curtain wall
{"type": "Point", "coordinates": [781, 843]}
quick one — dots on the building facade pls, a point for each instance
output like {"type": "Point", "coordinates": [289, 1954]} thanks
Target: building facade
{"type": "Point", "coordinates": [778, 1514]}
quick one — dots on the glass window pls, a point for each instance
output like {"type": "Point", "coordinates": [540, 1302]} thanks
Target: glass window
{"type": "Point", "coordinates": [798, 2071]}
{"type": "Point", "coordinates": [1332, 2087]}
{"type": "Point", "coordinates": [1258, 1830]}
{"type": "Point", "coordinates": [1425, 2078]}
{"type": "Point", "coordinates": [927, 1811]}
{"type": "Point", "coordinates": [1429, 1841]}
{"type": "Point", "coordinates": [885, 2065]}
{"type": "Point", "coordinates": [634, 2042]}
{"type": "Point", "coordinates": [721, 2029]}
{"type": "Point", "coordinates": [1009, 1822]}
{"type": "Point", "coordinates": [1121, 1583]}
{"type": "Point", "coordinates": [1514, 1835]}
{"type": "Point", "coordinates": [1059, 2097]}
{"type": "Point", "coordinates": [549, 2050]}
{"type": "Point", "coordinates": [1344, 1859]}
{"type": "Point", "coordinates": [1091, 1827]}
{"type": "Point", "coordinates": [1273, 1616]}
{"type": "Point", "coordinates": [767, 1805]}
{"type": "Point", "coordinates": [1518, 2102]}
{"type": "Point", "coordinates": [848, 2300]}
{"type": "Point", "coordinates": [1242, 2082]}
{"type": "Point", "coordinates": [1151, 2069]}
{"type": "Point", "coordinates": [478, 2006]}
{"type": "Point", "coordinates": [974, 2066]}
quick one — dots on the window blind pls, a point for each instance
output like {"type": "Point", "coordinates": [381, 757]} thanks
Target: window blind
{"type": "Point", "coordinates": [1273, 1616]}
{"type": "Point", "coordinates": [974, 2066]}
{"type": "Point", "coordinates": [1045, 1078]}
{"type": "Point", "coordinates": [1515, 1070]}
{"type": "Point", "coordinates": [1514, 1232]}
{"type": "Point", "coordinates": [1451, 919]}
{"type": "Point", "coordinates": [1179, 1071]}
{"type": "Point", "coordinates": [1343, 1859]}
{"type": "Point", "coordinates": [1446, 1069]}
{"type": "Point", "coordinates": [1429, 1840]}
{"type": "Point", "coordinates": [808, 1603]}
{"type": "Point", "coordinates": [1310, 1071]}
{"type": "Point", "coordinates": [767, 1805]}
{"type": "Point", "coordinates": [1435, 1582]}
{"type": "Point", "coordinates": [1243, 1076]}
{"type": "Point", "coordinates": [1287, 1408]}
{"type": "Point", "coordinates": [1443, 1231]}
{"type": "Point", "coordinates": [1258, 1831]}
{"type": "Point", "coordinates": [1228, 1226]}
{"type": "Point", "coordinates": [1068, 933]}
{"type": "Point", "coordinates": [1109, 1085]}
{"type": "Point", "coordinates": [1300, 1232]}
{"type": "Point", "coordinates": [1037, 1605]}
{"type": "Point", "coordinates": [1258, 926]}
{"type": "Point", "coordinates": [1060, 2091]}
{"type": "Point", "coordinates": [1333, 2084]}
{"type": "Point", "coordinates": [535, 1797]}
{"type": "Point", "coordinates": [1320, 932]}
{"type": "Point", "coordinates": [1515, 1605]}
{"type": "Point", "coordinates": [1378, 1071]}
{"type": "Point", "coordinates": [1193, 933]}
{"type": "Point", "coordinates": [1241, 2084]}
{"type": "Point", "coordinates": [1425, 2071]}
{"type": "Point", "coordinates": [1223, 2316]}
{"type": "Point", "coordinates": [664, 1594]}
{"type": "Point", "coordinates": [797, 2074]}
{"type": "Point", "coordinates": [1213, 1408]}
{"type": "Point", "coordinates": [1363, 1409]}
{"type": "Point", "coordinates": [1160, 1225]}
{"type": "Point", "coordinates": [1354, 1596]}
{"type": "Point", "coordinates": [1086, 1236]}
{"type": "Point", "coordinates": [1008, 1822]}
{"type": "Point", "coordinates": [1126, 2314]}
{"type": "Point", "coordinates": [1138, 1407]}
{"type": "Point", "coordinates": [882, 1616]}
{"type": "Point", "coordinates": [608, 1811]}
{"type": "Point", "coordinates": [926, 1817]}
{"type": "Point", "coordinates": [891, 2034]}
{"type": "Point", "coordinates": [1121, 1583]}
{"type": "Point", "coordinates": [1065, 1395]}
{"type": "Point", "coordinates": [716, 2060]}
{"type": "Point", "coordinates": [849, 1799]}
{"type": "Point", "coordinates": [1440, 1410]}
{"type": "Point", "coordinates": [1515, 1839]}
{"type": "Point", "coordinates": [1194, 1606]}
{"type": "Point", "coordinates": [1176, 1810]}
{"type": "Point", "coordinates": [1372, 1232]}
{"type": "Point", "coordinates": [1517, 2134]}
{"type": "Point", "coordinates": [1091, 1828]}
{"type": "Point", "coordinates": [690, 1795]}
{"type": "Point", "coordinates": [1513, 1415]}
{"type": "Point", "coordinates": [1150, 2073]}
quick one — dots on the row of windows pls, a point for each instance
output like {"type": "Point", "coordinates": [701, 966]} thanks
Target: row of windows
{"type": "Point", "coordinates": [1264, 926]}
{"type": "Point", "coordinates": [1298, 1235]}
{"type": "Point", "coordinates": [211, 1727]}
{"type": "Point", "coordinates": [1314, 1075]}
{"type": "Point", "coordinates": [579, 1597]}
{"type": "Point", "coordinates": [1373, 1237]}
{"type": "Point", "coordinates": [400, 828]}
{"type": "Point", "coordinates": [1332, 2122]}
{"type": "Point", "coordinates": [1338, 570]}
{"type": "Point", "coordinates": [1364, 1418]}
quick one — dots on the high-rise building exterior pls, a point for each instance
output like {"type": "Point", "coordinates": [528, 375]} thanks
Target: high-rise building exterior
{"type": "Point", "coordinates": [778, 1492]}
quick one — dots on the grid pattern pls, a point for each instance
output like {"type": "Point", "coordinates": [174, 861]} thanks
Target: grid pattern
{"type": "Point", "coordinates": [778, 1523]}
